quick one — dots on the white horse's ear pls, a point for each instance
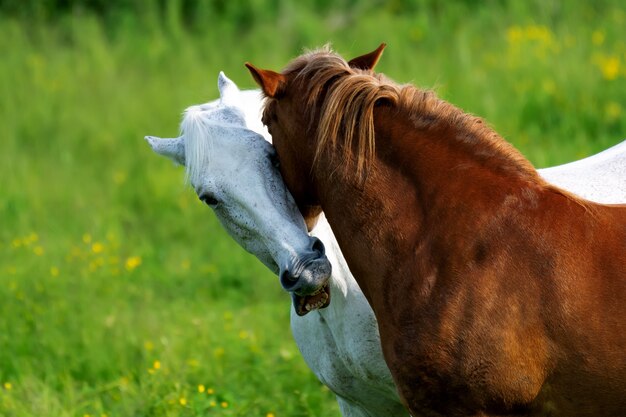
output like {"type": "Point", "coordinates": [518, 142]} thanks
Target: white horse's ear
{"type": "Point", "coordinates": [172, 148]}
{"type": "Point", "coordinates": [229, 92]}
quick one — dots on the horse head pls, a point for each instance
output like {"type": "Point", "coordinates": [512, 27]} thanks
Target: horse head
{"type": "Point", "coordinates": [234, 170]}
{"type": "Point", "coordinates": [296, 98]}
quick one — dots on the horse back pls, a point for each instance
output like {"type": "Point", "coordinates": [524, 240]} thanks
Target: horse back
{"type": "Point", "coordinates": [585, 310]}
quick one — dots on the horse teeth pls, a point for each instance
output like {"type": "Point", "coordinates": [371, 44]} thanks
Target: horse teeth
{"type": "Point", "coordinates": [315, 306]}
{"type": "Point", "coordinates": [319, 303]}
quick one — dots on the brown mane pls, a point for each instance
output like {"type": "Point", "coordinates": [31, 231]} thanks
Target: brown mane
{"type": "Point", "coordinates": [346, 98]}
{"type": "Point", "coordinates": [347, 112]}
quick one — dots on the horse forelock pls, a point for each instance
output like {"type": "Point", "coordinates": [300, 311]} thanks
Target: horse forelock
{"type": "Point", "coordinates": [341, 99]}
{"type": "Point", "coordinates": [199, 128]}
{"type": "Point", "coordinates": [195, 129]}
{"type": "Point", "coordinates": [340, 102]}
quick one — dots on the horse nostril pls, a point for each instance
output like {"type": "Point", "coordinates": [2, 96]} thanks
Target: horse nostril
{"type": "Point", "coordinates": [287, 280]}
{"type": "Point", "coordinates": [318, 246]}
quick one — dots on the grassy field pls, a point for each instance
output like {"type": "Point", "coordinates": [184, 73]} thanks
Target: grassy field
{"type": "Point", "coordinates": [119, 293]}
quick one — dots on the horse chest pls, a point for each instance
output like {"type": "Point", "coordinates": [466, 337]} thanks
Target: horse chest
{"type": "Point", "coordinates": [342, 348]}
{"type": "Point", "coordinates": [460, 386]}
{"type": "Point", "coordinates": [457, 359]}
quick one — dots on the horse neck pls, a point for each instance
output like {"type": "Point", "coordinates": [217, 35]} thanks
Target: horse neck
{"type": "Point", "coordinates": [421, 192]}
{"type": "Point", "coordinates": [341, 278]}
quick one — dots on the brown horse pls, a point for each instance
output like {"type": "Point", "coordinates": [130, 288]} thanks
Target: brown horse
{"type": "Point", "coordinates": [495, 293]}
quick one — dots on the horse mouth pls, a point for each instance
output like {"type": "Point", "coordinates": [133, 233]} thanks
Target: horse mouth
{"type": "Point", "coordinates": [303, 304]}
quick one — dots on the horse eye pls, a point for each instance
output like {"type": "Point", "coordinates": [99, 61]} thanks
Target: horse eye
{"type": "Point", "coordinates": [208, 199]}
{"type": "Point", "coordinates": [274, 160]}
{"type": "Point", "coordinates": [268, 118]}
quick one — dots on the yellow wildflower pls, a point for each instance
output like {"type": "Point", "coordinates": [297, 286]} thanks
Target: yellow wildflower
{"type": "Point", "coordinates": [270, 415]}
{"type": "Point", "coordinates": [416, 34]}
{"type": "Point", "coordinates": [597, 37]}
{"type": "Point", "coordinates": [286, 354]}
{"type": "Point", "coordinates": [514, 34]}
{"type": "Point", "coordinates": [156, 365]}
{"type": "Point", "coordinates": [613, 110]}
{"type": "Point", "coordinates": [54, 271]}
{"type": "Point", "coordinates": [210, 391]}
{"type": "Point", "coordinates": [119, 177]}
{"type": "Point", "coordinates": [133, 262]}
{"type": "Point", "coordinates": [201, 388]}
{"type": "Point", "coordinates": [183, 401]}
{"type": "Point", "coordinates": [8, 386]}
{"type": "Point", "coordinates": [212, 403]}
{"type": "Point", "coordinates": [539, 33]}
{"type": "Point", "coordinates": [610, 67]}
{"type": "Point", "coordinates": [38, 250]}
{"type": "Point", "coordinates": [548, 86]}
{"type": "Point", "coordinates": [224, 404]}
{"type": "Point", "coordinates": [97, 247]}
{"type": "Point", "coordinates": [185, 264]}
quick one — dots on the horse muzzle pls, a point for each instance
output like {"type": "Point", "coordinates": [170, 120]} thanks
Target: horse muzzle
{"type": "Point", "coordinates": [306, 278]}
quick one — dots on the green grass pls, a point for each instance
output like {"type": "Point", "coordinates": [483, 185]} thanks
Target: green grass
{"type": "Point", "coordinates": [119, 293]}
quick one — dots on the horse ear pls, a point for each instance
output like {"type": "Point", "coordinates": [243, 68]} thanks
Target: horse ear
{"type": "Point", "coordinates": [368, 61]}
{"type": "Point", "coordinates": [172, 148]}
{"type": "Point", "coordinates": [272, 83]}
{"type": "Point", "coordinates": [228, 89]}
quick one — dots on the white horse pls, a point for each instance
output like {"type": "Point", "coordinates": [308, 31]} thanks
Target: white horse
{"type": "Point", "coordinates": [234, 171]}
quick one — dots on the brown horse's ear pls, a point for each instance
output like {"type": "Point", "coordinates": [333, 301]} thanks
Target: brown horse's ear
{"type": "Point", "coordinates": [368, 61]}
{"type": "Point", "coordinates": [272, 83]}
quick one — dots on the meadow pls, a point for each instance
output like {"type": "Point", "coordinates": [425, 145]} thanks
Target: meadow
{"type": "Point", "coordinates": [120, 295]}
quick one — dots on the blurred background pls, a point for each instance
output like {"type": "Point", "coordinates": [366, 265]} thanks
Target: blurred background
{"type": "Point", "coordinates": [119, 293]}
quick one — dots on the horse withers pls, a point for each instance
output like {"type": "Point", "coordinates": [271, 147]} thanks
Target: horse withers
{"type": "Point", "coordinates": [495, 292]}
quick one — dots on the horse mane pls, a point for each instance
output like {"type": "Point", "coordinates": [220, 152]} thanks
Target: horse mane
{"type": "Point", "coordinates": [347, 96]}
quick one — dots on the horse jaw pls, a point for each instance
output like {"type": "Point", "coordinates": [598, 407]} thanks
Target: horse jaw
{"type": "Point", "coordinates": [173, 148]}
